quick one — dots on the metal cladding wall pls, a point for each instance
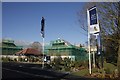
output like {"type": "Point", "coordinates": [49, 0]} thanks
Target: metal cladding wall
{"type": "Point", "coordinates": [63, 48]}
{"type": "Point", "coordinates": [9, 48]}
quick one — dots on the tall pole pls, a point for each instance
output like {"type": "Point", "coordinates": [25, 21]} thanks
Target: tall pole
{"type": "Point", "coordinates": [100, 43]}
{"type": "Point", "coordinates": [43, 54]}
{"type": "Point", "coordinates": [94, 57]}
{"type": "Point", "coordinates": [42, 34]}
{"type": "Point", "coordinates": [89, 43]}
{"type": "Point", "coordinates": [89, 54]}
{"type": "Point", "coordinates": [101, 51]}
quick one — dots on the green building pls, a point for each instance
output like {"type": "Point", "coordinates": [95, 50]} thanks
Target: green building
{"type": "Point", "coordinates": [65, 49]}
{"type": "Point", "coordinates": [8, 47]}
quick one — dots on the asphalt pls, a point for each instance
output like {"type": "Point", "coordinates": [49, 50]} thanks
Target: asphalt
{"type": "Point", "coordinates": [21, 71]}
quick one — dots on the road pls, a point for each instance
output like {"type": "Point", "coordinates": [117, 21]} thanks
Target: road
{"type": "Point", "coordinates": [11, 70]}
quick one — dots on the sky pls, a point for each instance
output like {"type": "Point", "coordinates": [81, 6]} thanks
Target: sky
{"type": "Point", "coordinates": [21, 21]}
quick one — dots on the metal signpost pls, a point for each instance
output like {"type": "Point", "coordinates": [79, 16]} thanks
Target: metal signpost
{"type": "Point", "coordinates": [93, 28]}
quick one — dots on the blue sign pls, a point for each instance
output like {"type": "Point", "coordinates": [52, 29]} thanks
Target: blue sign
{"type": "Point", "coordinates": [93, 16]}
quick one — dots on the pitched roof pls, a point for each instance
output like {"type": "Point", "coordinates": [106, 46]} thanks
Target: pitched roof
{"type": "Point", "coordinates": [29, 51]}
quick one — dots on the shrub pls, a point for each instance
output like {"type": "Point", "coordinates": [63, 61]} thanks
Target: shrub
{"type": "Point", "coordinates": [67, 68]}
{"type": "Point", "coordinates": [107, 71]}
{"type": "Point", "coordinates": [5, 59]}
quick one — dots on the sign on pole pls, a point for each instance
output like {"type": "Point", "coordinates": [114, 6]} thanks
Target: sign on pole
{"type": "Point", "coordinates": [93, 28]}
{"type": "Point", "coordinates": [93, 21]}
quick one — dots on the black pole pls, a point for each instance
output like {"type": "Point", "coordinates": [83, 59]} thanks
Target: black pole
{"type": "Point", "coordinates": [101, 53]}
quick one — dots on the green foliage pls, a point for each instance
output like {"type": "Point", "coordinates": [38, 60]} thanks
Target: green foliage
{"type": "Point", "coordinates": [109, 68]}
{"type": "Point", "coordinates": [67, 68]}
{"type": "Point", "coordinates": [5, 59]}
{"type": "Point", "coordinates": [57, 60]}
{"type": "Point", "coordinates": [57, 63]}
{"type": "Point", "coordinates": [82, 72]}
{"type": "Point", "coordinates": [67, 64]}
{"type": "Point", "coordinates": [15, 60]}
{"type": "Point", "coordinates": [78, 64]}
{"type": "Point", "coordinates": [20, 59]}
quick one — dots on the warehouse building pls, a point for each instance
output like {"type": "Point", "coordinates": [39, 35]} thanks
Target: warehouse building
{"type": "Point", "coordinates": [64, 49]}
{"type": "Point", "coordinates": [8, 47]}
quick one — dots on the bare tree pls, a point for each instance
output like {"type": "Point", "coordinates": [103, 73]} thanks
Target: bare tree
{"type": "Point", "coordinates": [110, 25]}
{"type": "Point", "coordinates": [36, 45]}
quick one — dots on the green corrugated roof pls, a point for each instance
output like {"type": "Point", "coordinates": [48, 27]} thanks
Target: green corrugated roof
{"type": "Point", "coordinates": [11, 47]}
{"type": "Point", "coordinates": [58, 44]}
{"type": "Point", "coordinates": [9, 44]}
